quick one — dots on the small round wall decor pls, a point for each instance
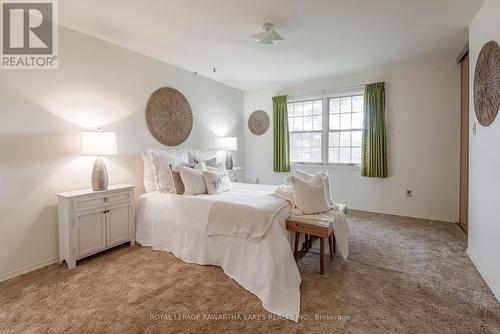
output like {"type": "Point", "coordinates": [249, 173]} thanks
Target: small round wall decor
{"type": "Point", "coordinates": [169, 116]}
{"type": "Point", "coordinates": [258, 122]}
{"type": "Point", "coordinates": [487, 84]}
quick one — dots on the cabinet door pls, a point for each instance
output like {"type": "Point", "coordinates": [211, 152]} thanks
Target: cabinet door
{"type": "Point", "coordinates": [90, 233]}
{"type": "Point", "coordinates": [118, 224]}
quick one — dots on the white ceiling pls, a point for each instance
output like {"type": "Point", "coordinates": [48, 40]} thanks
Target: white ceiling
{"type": "Point", "coordinates": [323, 38]}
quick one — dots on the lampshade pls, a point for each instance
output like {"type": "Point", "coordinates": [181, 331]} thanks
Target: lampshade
{"type": "Point", "coordinates": [98, 143]}
{"type": "Point", "coordinates": [226, 143]}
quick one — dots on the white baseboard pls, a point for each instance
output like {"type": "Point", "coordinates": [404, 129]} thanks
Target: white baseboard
{"type": "Point", "coordinates": [404, 214]}
{"type": "Point", "coordinates": [18, 272]}
{"type": "Point", "coordinates": [483, 274]}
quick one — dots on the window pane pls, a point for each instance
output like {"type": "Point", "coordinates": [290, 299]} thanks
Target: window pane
{"type": "Point", "coordinates": [306, 140]}
{"type": "Point", "coordinates": [356, 138]}
{"type": "Point", "coordinates": [297, 124]}
{"type": "Point", "coordinates": [317, 123]}
{"type": "Point", "coordinates": [357, 103]}
{"type": "Point", "coordinates": [335, 122]}
{"type": "Point", "coordinates": [290, 123]}
{"type": "Point", "coordinates": [345, 104]}
{"type": "Point", "coordinates": [290, 109]}
{"type": "Point", "coordinates": [357, 120]}
{"type": "Point", "coordinates": [307, 155]}
{"type": "Point", "coordinates": [318, 107]}
{"type": "Point", "coordinates": [345, 155]}
{"type": "Point", "coordinates": [316, 140]}
{"type": "Point", "coordinates": [333, 139]}
{"type": "Point", "coordinates": [333, 155]}
{"type": "Point", "coordinates": [345, 121]}
{"type": "Point", "coordinates": [308, 123]}
{"type": "Point", "coordinates": [345, 139]}
{"type": "Point", "coordinates": [316, 155]}
{"type": "Point", "coordinates": [334, 106]}
{"type": "Point", "coordinates": [298, 109]}
{"type": "Point", "coordinates": [356, 155]}
{"type": "Point", "coordinates": [308, 108]}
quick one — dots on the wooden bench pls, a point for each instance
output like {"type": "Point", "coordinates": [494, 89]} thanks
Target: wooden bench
{"type": "Point", "coordinates": [312, 227]}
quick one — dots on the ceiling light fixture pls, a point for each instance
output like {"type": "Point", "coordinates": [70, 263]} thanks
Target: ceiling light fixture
{"type": "Point", "coordinates": [269, 36]}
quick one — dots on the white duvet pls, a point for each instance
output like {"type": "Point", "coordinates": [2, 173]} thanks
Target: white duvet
{"type": "Point", "coordinates": [176, 224]}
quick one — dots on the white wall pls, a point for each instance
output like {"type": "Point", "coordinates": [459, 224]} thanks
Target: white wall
{"type": "Point", "coordinates": [484, 162]}
{"type": "Point", "coordinates": [423, 119]}
{"type": "Point", "coordinates": [43, 111]}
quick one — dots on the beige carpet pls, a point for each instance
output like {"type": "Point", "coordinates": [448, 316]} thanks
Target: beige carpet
{"type": "Point", "coordinates": [404, 276]}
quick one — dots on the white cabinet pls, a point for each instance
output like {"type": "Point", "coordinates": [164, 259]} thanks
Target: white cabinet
{"type": "Point", "coordinates": [92, 221]}
{"type": "Point", "coordinates": [237, 174]}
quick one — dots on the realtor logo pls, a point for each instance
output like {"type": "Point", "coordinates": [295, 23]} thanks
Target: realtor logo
{"type": "Point", "coordinates": [29, 34]}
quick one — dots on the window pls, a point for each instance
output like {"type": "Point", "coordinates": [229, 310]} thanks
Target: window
{"type": "Point", "coordinates": [305, 124]}
{"type": "Point", "coordinates": [327, 130]}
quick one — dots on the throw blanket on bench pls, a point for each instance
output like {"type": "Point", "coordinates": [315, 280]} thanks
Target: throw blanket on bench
{"type": "Point", "coordinates": [335, 215]}
{"type": "Point", "coordinates": [247, 216]}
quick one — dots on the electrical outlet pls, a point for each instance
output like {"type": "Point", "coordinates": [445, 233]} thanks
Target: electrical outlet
{"type": "Point", "coordinates": [409, 193]}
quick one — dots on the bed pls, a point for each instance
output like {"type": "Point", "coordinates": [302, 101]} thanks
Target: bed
{"type": "Point", "coordinates": [177, 224]}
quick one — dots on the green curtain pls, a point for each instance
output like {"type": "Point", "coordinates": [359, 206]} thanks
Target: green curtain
{"type": "Point", "coordinates": [281, 159]}
{"type": "Point", "coordinates": [374, 155]}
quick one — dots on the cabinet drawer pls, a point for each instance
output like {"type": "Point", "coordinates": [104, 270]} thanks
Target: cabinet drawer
{"type": "Point", "coordinates": [89, 202]}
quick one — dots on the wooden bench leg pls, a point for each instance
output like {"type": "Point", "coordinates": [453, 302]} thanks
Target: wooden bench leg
{"type": "Point", "coordinates": [296, 247]}
{"type": "Point", "coordinates": [330, 245]}
{"type": "Point", "coordinates": [321, 255]}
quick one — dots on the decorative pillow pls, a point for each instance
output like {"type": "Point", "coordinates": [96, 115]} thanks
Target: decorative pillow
{"type": "Point", "coordinates": [193, 180]}
{"type": "Point", "coordinates": [326, 178]}
{"type": "Point", "coordinates": [216, 180]}
{"type": "Point", "coordinates": [200, 165]}
{"type": "Point", "coordinates": [201, 155]}
{"type": "Point", "coordinates": [161, 162]}
{"type": "Point", "coordinates": [149, 179]}
{"type": "Point", "coordinates": [310, 196]}
{"type": "Point", "coordinates": [220, 165]}
{"type": "Point", "coordinates": [176, 178]}
{"type": "Point", "coordinates": [210, 162]}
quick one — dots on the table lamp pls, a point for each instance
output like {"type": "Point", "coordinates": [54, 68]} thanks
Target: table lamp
{"type": "Point", "coordinates": [98, 143]}
{"type": "Point", "coordinates": [227, 144]}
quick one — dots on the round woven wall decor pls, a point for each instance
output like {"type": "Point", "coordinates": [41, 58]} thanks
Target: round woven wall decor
{"type": "Point", "coordinates": [258, 122]}
{"type": "Point", "coordinates": [169, 116]}
{"type": "Point", "coordinates": [487, 84]}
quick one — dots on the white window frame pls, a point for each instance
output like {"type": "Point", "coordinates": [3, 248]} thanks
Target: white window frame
{"type": "Point", "coordinates": [326, 126]}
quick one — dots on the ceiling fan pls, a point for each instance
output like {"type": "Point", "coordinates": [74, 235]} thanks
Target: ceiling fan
{"type": "Point", "coordinates": [268, 36]}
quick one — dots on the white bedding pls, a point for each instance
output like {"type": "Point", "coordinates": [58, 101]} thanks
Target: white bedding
{"type": "Point", "coordinates": [176, 224]}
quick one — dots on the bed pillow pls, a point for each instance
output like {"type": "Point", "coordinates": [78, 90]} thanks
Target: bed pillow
{"type": "Point", "coordinates": [209, 162]}
{"type": "Point", "coordinates": [310, 196]}
{"type": "Point", "coordinates": [194, 183]}
{"type": "Point", "coordinates": [149, 179]}
{"type": "Point", "coordinates": [176, 178]}
{"type": "Point", "coordinates": [326, 179]}
{"type": "Point", "coordinates": [161, 162]}
{"type": "Point", "coordinates": [216, 180]}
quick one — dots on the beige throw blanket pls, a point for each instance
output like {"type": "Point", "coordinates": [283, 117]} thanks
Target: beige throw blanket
{"type": "Point", "coordinates": [246, 216]}
{"type": "Point", "coordinates": [335, 215]}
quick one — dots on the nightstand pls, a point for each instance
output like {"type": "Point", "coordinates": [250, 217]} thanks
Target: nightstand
{"type": "Point", "coordinates": [237, 174]}
{"type": "Point", "coordinates": [93, 221]}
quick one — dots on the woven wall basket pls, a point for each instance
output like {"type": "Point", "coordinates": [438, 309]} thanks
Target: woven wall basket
{"type": "Point", "coordinates": [487, 84]}
{"type": "Point", "coordinates": [258, 122]}
{"type": "Point", "coordinates": [169, 116]}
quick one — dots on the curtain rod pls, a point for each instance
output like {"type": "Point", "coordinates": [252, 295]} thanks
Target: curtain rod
{"type": "Point", "coordinates": [326, 91]}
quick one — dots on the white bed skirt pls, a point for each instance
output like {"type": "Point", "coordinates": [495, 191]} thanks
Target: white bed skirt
{"type": "Point", "coordinates": [177, 224]}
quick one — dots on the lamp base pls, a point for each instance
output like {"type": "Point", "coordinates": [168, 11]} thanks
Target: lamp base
{"type": "Point", "coordinates": [229, 160]}
{"type": "Point", "coordinates": [99, 175]}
